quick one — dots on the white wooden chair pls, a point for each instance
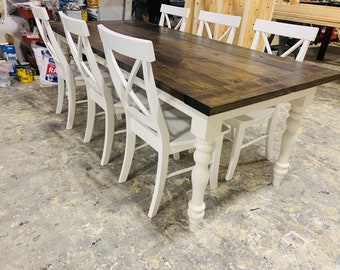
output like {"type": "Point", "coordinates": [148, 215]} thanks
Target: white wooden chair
{"type": "Point", "coordinates": [163, 127]}
{"type": "Point", "coordinates": [232, 22]}
{"type": "Point", "coordinates": [180, 12]}
{"type": "Point", "coordinates": [64, 70]}
{"type": "Point", "coordinates": [305, 35]}
{"type": "Point", "coordinates": [98, 91]}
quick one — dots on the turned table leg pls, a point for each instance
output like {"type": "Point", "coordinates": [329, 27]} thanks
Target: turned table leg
{"type": "Point", "coordinates": [290, 135]}
{"type": "Point", "coordinates": [200, 178]}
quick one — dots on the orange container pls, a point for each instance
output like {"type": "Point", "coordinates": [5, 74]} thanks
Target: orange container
{"type": "Point", "coordinates": [92, 3]}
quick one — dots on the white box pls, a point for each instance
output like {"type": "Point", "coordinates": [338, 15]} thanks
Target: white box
{"type": "Point", "coordinates": [108, 10]}
{"type": "Point", "coordinates": [111, 10]}
{"type": "Point", "coordinates": [76, 14]}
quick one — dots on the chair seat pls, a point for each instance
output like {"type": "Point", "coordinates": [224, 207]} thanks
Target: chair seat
{"type": "Point", "coordinates": [179, 125]}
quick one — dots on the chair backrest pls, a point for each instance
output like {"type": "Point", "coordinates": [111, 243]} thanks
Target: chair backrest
{"type": "Point", "coordinates": [77, 35]}
{"type": "Point", "coordinates": [232, 22]}
{"type": "Point", "coordinates": [304, 35]}
{"type": "Point", "coordinates": [48, 36]}
{"type": "Point", "coordinates": [181, 12]}
{"type": "Point", "coordinates": [146, 117]}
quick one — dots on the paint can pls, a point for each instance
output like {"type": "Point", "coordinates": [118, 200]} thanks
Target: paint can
{"type": "Point", "coordinates": [24, 72]}
{"type": "Point", "coordinates": [92, 3]}
{"type": "Point", "coordinates": [5, 69]}
{"type": "Point", "coordinates": [93, 14]}
{"type": "Point", "coordinates": [84, 16]}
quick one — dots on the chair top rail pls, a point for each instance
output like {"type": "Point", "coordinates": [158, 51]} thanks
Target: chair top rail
{"type": "Point", "coordinates": [181, 12]}
{"type": "Point", "coordinates": [232, 22]}
{"type": "Point", "coordinates": [219, 18]}
{"type": "Point", "coordinates": [177, 11]}
{"type": "Point", "coordinates": [287, 30]}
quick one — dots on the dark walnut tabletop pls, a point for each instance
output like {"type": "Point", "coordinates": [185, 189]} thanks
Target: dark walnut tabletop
{"type": "Point", "coordinates": [212, 76]}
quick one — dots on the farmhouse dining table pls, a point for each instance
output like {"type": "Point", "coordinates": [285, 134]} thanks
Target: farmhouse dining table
{"type": "Point", "coordinates": [212, 81]}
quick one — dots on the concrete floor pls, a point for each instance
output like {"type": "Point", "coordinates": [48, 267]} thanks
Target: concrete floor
{"type": "Point", "coordinates": [59, 209]}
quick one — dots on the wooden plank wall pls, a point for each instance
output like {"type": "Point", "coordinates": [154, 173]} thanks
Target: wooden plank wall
{"type": "Point", "coordinates": [249, 10]}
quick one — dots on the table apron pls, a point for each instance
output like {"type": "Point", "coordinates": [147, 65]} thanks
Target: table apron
{"type": "Point", "coordinates": [208, 128]}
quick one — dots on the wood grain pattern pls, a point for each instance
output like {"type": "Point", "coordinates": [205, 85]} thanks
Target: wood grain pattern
{"type": "Point", "coordinates": [249, 10]}
{"type": "Point", "coordinates": [212, 76]}
{"type": "Point", "coordinates": [313, 14]}
{"type": "Point", "coordinates": [252, 10]}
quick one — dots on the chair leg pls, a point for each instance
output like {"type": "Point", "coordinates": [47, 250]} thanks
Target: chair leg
{"type": "Point", "coordinates": [162, 169]}
{"type": "Point", "coordinates": [215, 165]}
{"type": "Point", "coordinates": [128, 156]}
{"type": "Point", "coordinates": [61, 93]}
{"type": "Point", "coordinates": [271, 126]}
{"type": "Point", "coordinates": [176, 156]}
{"type": "Point", "coordinates": [119, 116]}
{"type": "Point", "coordinates": [71, 97]}
{"type": "Point", "coordinates": [91, 114]}
{"type": "Point", "coordinates": [232, 132]}
{"type": "Point", "coordinates": [109, 133]}
{"type": "Point", "coordinates": [235, 152]}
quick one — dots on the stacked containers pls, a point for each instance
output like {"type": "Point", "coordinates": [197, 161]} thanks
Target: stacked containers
{"type": "Point", "coordinates": [93, 10]}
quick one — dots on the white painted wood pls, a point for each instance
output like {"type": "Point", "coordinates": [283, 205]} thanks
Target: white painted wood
{"type": "Point", "coordinates": [289, 136]}
{"type": "Point", "coordinates": [305, 35]}
{"type": "Point", "coordinates": [181, 12]}
{"type": "Point", "coordinates": [206, 129]}
{"type": "Point", "coordinates": [64, 70]}
{"type": "Point", "coordinates": [262, 29]}
{"type": "Point", "coordinates": [98, 92]}
{"type": "Point", "coordinates": [163, 127]}
{"type": "Point", "coordinates": [206, 18]}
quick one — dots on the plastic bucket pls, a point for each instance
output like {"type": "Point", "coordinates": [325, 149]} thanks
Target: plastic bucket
{"type": "Point", "coordinates": [4, 79]}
